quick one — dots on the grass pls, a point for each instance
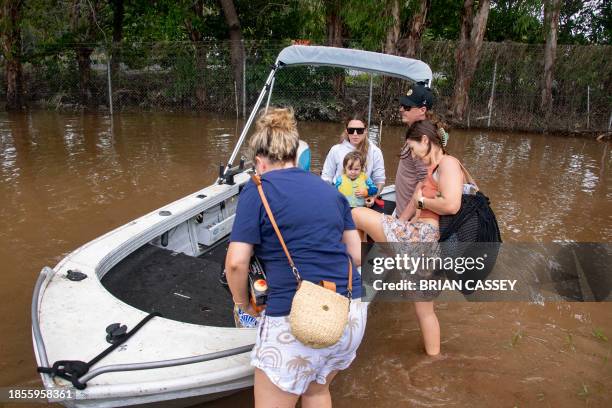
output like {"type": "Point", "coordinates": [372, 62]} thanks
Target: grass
{"type": "Point", "coordinates": [584, 392]}
{"type": "Point", "coordinates": [570, 342]}
{"type": "Point", "coordinates": [516, 337]}
{"type": "Point", "coordinates": [599, 334]}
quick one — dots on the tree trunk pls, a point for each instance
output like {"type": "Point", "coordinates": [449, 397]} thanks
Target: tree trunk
{"type": "Point", "coordinates": [236, 43]}
{"type": "Point", "coordinates": [10, 36]}
{"type": "Point", "coordinates": [84, 63]}
{"type": "Point", "coordinates": [118, 14]}
{"type": "Point", "coordinates": [552, 10]}
{"type": "Point", "coordinates": [201, 91]}
{"type": "Point", "coordinates": [411, 44]}
{"type": "Point", "coordinates": [393, 32]}
{"type": "Point", "coordinates": [468, 54]}
{"type": "Point", "coordinates": [333, 22]}
{"type": "Point", "coordinates": [82, 23]}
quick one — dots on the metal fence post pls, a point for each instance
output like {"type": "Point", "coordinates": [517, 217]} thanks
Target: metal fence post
{"type": "Point", "coordinates": [588, 106]}
{"type": "Point", "coordinates": [370, 100]}
{"type": "Point", "coordinates": [108, 78]}
{"type": "Point", "coordinates": [492, 93]}
{"type": "Point", "coordinates": [236, 97]}
{"type": "Point", "coordinates": [243, 79]}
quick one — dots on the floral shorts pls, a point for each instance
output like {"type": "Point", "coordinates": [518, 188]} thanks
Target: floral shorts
{"type": "Point", "coordinates": [404, 231]}
{"type": "Point", "coordinates": [417, 239]}
{"type": "Point", "coordinates": [291, 365]}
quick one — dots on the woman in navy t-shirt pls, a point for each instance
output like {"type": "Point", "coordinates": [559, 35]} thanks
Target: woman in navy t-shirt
{"type": "Point", "coordinates": [316, 224]}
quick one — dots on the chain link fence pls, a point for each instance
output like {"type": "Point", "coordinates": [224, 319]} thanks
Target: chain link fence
{"type": "Point", "coordinates": [505, 92]}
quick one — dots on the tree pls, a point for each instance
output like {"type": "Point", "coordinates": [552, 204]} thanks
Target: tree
{"type": "Point", "coordinates": [118, 15]}
{"type": "Point", "coordinates": [393, 32]}
{"type": "Point", "coordinates": [473, 26]}
{"type": "Point", "coordinates": [515, 20]}
{"type": "Point", "coordinates": [195, 22]}
{"type": "Point", "coordinates": [551, 25]}
{"type": "Point", "coordinates": [333, 22]}
{"type": "Point", "coordinates": [236, 44]}
{"type": "Point", "coordinates": [335, 28]}
{"type": "Point", "coordinates": [10, 36]}
{"type": "Point", "coordinates": [411, 40]}
{"type": "Point", "coordinates": [84, 32]}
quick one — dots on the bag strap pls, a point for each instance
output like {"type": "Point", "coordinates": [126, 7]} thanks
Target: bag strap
{"type": "Point", "coordinates": [257, 180]}
{"type": "Point", "coordinates": [468, 176]}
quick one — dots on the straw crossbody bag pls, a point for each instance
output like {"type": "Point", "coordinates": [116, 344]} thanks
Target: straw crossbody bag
{"type": "Point", "coordinates": [318, 314]}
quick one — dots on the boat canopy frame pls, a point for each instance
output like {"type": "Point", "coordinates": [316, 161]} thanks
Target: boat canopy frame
{"type": "Point", "coordinates": [367, 61]}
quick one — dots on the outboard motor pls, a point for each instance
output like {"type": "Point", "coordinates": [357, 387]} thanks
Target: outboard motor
{"type": "Point", "coordinates": [303, 156]}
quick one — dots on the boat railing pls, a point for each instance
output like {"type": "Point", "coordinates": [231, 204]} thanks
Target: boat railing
{"type": "Point", "coordinates": [44, 361]}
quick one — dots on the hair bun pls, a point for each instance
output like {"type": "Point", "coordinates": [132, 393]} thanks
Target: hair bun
{"type": "Point", "coordinates": [281, 119]}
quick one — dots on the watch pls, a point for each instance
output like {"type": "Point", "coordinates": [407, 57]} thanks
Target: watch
{"type": "Point", "coordinates": [421, 203]}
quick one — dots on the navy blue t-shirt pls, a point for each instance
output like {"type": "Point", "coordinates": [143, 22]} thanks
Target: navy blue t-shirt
{"type": "Point", "coordinates": [312, 216]}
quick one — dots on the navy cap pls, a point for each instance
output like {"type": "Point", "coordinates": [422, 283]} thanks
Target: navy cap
{"type": "Point", "coordinates": [418, 95]}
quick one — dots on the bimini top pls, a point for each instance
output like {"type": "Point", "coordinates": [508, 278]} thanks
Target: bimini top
{"type": "Point", "coordinates": [391, 65]}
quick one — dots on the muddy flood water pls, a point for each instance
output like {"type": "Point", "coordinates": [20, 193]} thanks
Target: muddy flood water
{"type": "Point", "coordinates": [67, 178]}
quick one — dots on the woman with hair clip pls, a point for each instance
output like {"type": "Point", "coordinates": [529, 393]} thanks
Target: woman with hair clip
{"type": "Point", "coordinates": [320, 239]}
{"type": "Point", "coordinates": [355, 137]}
{"type": "Point", "coordinates": [440, 194]}
{"type": "Point", "coordinates": [415, 105]}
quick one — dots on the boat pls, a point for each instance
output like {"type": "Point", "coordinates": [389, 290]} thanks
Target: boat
{"type": "Point", "coordinates": [138, 316]}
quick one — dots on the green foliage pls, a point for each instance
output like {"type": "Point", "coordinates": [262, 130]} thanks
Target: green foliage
{"type": "Point", "coordinates": [582, 22]}
{"type": "Point", "coordinates": [444, 20]}
{"type": "Point", "coordinates": [515, 21]}
{"type": "Point", "coordinates": [367, 22]}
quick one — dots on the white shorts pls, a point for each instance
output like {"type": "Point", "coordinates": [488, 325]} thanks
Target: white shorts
{"type": "Point", "coordinates": [291, 365]}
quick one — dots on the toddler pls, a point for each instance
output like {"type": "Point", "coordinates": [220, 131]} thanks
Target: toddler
{"type": "Point", "coordinates": [353, 179]}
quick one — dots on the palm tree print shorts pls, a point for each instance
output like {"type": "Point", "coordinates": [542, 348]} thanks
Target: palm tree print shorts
{"type": "Point", "coordinates": [291, 365]}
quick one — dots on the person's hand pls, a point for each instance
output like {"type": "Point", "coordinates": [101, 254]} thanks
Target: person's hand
{"type": "Point", "coordinates": [249, 309]}
{"type": "Point", "coordinates": [418, 194]}
{"type": "Point", "coordinates": [369, 202]}
{"type": "Point", "coordinates": [361, 192]}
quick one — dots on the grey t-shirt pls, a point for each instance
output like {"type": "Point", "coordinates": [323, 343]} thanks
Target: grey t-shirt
{"type": "Point", "coordinates": [410, 171]}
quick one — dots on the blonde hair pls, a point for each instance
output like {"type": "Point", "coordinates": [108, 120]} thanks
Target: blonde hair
{"type": "Point", "coordinates": [276, 137]}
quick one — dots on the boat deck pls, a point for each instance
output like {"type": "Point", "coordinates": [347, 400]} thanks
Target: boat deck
{"type": "Point", "coordinates": [178, 286]}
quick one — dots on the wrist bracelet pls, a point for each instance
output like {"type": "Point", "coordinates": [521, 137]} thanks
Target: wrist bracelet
{"type": "Point", "coordinates": [240, 303]}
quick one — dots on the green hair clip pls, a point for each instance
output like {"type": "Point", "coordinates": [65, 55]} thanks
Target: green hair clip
{"type": "Point", "coordinates": [443, 136]}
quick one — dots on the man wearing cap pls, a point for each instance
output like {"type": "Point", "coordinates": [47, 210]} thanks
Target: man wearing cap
{"type": "Point", "coordinates": [414, 105]}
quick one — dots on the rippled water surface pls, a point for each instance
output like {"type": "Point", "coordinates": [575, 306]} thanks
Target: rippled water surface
{"type": "Point", "coordinates": [67, 178]}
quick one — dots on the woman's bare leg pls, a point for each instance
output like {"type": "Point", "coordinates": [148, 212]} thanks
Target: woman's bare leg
{"type": "Point", "coordinates": [317, 395]}
{"type": "Point", "coordinates": [370, 222]}
{"type": "Point", "coordinates": [430, 327]}
{"type": "Point", "coordinates": [269, 395]}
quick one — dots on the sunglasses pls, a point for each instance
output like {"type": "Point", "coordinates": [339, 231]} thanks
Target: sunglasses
{"type": "Point", "coordinates": [359, 131]}
{"type": "Point", "coordinates": [406, 107]}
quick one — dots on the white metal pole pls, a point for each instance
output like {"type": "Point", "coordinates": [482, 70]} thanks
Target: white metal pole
{"type": "Point", "coordinates": [236, 97]}
{"type": "Point", "coordinates": [588, 106]}
{"type": "Point", "coordinates": [245, 130]}
{"type": "Point", "coordinates": [370, 102]}
{"type": "Point", "coordinates": [110, 86]}
{"type": "Point", "coordinates": [243, 80]}
{"type": "Point", "coordinates": [492, 93]}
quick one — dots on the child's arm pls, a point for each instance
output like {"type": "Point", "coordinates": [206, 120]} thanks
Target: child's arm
{"type": "Point", "coordinates": [372, 188]}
